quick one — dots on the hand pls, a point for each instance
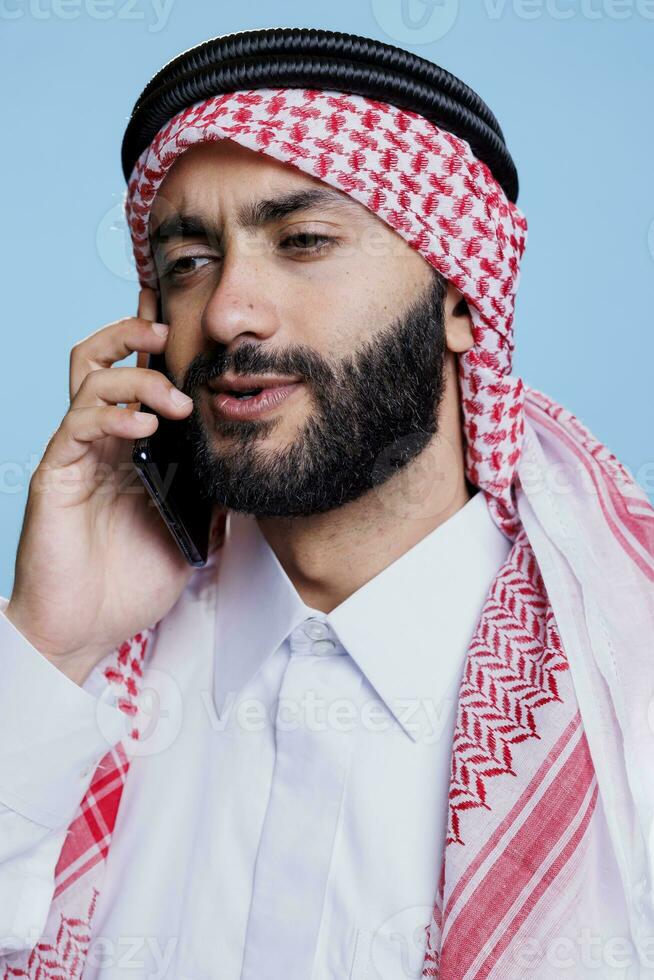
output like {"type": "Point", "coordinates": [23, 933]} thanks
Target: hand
{"type": "Point", "coordinates": [96, 563]}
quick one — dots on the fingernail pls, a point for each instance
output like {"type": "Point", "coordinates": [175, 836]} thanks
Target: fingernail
{"type": "Point", "coordinates": [179, 398]}
{"type": "Point", "coordinates": [160, 328]}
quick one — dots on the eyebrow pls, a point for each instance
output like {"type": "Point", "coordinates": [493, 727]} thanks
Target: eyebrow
{"type": "Point", "coordinates": [254, 214]}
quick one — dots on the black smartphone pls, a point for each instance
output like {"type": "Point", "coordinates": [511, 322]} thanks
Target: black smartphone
{"type": "Point", "coordinates": [164, 465]}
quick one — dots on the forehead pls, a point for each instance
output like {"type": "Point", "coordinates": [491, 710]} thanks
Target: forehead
{"type": "Point", "coordinates": [204, 173]}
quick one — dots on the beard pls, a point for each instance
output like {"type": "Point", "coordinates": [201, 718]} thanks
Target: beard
{"type": "Point", "coordinates": [373, 413]}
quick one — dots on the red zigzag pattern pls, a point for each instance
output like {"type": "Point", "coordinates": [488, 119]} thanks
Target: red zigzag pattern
{"type": "Point", "coordinates": [66, 957]}
{"type": "Point", "coordinates": [511, 670]}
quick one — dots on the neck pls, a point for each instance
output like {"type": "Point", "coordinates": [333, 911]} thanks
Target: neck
{"type": "Point", "coordinates": [329, 556]}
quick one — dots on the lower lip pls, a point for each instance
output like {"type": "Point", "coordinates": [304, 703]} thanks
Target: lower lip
{"type": "Point", "coordinates": [249, 408]}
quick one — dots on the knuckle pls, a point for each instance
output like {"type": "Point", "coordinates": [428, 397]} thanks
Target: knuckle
{"type": "Point", "coordinates": [52, 439]}
{"type": "Point", "coordinates": [76, 352]}
{"type": "Point", "coordinates": [91, 377]}
{"type": "Point", "coordinates": [160, 389]}
{"type": "Point", "coordinates": [127, 325]}
{"type": "Point", "coordinates": [154, 381]}
{"type": "Point", "coordinates": [66, 424]}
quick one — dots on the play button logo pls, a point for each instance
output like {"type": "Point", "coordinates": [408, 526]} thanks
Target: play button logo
{"type": "Point", "coordinates": [415, 21]}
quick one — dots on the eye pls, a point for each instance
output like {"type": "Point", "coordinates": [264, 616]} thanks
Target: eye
{"type": "Point", "coordinates": [307, 242]}
{"type": "Point", "coordinates": [183, 266]}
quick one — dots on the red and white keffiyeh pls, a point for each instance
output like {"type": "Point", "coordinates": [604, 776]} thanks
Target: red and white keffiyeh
{"type": "Point", "coordinates": [558, 679]}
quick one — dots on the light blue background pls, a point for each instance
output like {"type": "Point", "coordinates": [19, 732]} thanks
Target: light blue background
{"type": "Point", "coordinates": [571, 82]}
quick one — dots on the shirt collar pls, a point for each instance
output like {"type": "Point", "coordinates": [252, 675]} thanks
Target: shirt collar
{"type": "Point", "coordinates": [257, 606]}
{"type": "Point", "coordinates": [407, 629]}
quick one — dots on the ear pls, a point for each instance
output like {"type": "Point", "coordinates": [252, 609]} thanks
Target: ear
{"type": "Point", "coordinates": [458, 322]}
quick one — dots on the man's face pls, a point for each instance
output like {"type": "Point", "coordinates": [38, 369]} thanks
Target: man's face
{"type": "Point", "coordinates": [327, 294]}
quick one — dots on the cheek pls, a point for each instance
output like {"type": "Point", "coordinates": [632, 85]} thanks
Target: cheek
{"type": "Point", "coordinates": [341, 339]}
{"type": "Point", "coordinates": [335, 310]}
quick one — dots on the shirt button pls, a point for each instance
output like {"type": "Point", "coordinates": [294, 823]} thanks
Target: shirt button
{"type": "Point", "coordinates": [316, 629]}
{"type": "Point", "coordinates": [323, 646]}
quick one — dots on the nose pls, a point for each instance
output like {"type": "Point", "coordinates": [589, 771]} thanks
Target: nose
{"type": "Point", "coordinates": [242, 303]}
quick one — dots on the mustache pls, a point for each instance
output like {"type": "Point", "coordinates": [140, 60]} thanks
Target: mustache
{"type": "Point", "coordinates": [256, 359]}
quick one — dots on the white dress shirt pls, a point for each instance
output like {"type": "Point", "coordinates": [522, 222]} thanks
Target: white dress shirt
{"type": "Point", "coordinates": [286, 817]}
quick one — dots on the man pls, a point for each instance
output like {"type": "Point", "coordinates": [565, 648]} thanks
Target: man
{"type": "Point", "coordinates": [397, 725]}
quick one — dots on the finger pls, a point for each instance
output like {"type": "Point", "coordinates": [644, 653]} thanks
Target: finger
{"type": "Point", "coordinates": [147, 306]}
{"type": "Point", "coordinates": [116, 385]}
{"type": "Point", "coordinates": [142, 360]}
{"type": "Point", "coordinates": [113, 343]}
{"type": "Point", "coordinates": [147, 309]}
{"type": "Point", "coordinates": [84, 426]}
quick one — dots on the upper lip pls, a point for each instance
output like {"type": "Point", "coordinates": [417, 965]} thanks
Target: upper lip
{"type": "Point", "coordinates": [249, 381]}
